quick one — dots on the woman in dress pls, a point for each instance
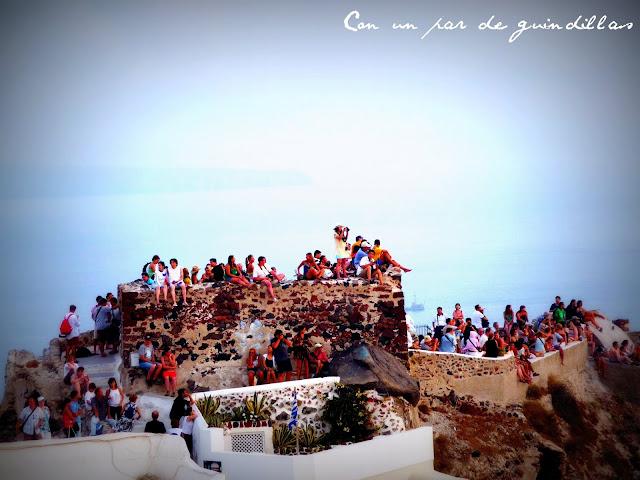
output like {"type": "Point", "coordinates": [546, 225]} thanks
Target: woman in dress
{"type": "Point", "coordinates": [508, 319]}
{"type": "Point", "coordinates": [301, 354]}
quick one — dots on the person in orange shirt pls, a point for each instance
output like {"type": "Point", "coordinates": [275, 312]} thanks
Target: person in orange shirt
{"type": "Point", "coordinates": [383, 257]}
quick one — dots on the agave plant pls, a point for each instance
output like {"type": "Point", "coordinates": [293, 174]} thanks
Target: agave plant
{"type": "Point", "coordinates": [208, 407]}
{"type": "Point", "coordinates": [308, 437]}
{"type": "Point", "coordinates": [284, 441]}
{"type": "Point", "coordinates": [257, 408]}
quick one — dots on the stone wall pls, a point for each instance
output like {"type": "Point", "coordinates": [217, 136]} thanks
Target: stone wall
{"type": "Point", "coordinates": [492, 379]}
{"type": "Point", "coordinates": [211, 336]}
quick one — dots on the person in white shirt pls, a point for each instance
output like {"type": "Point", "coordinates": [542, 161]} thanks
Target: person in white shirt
{"type": "Point", "coordinates": [89, 395]}
{"type": "Point", "coordinates": [482, 339]}
{"type": "Point", "coordinates": [176, 280]}
{"type": "Point", "coordinates": [262, 274]}
{"type": "Point", "coordinates": [160, 281]}
{"type": "Point", "coordinates": [73, 338]}
{"type": "Point", "coordinates": [30, 420]}
{"type": "Point", "coordinates": [478, 319]}
{"type": "Point", "coordinates": [186, 425]}
{"type": "Point", "coordinates": [368, 267]}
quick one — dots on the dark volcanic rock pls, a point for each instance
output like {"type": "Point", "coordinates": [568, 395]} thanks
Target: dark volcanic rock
{"type": "Point", "coordinates": [369, 366]}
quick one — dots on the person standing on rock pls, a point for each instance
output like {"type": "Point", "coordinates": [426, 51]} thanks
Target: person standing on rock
{"type": "Point", "coordinates": [343, 255]}
{"type": "Point", "coordinates": [280, 345]}
{"type": "Point", "coordinates": [73, 339]}
{"type": "Point", "coordinates": [103, 325]}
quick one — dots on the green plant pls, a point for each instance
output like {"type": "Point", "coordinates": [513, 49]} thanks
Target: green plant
{"type": "Point", "coordinates": [208, 407]}
{"type": "Point", "coordinates": [308, 437]}
{"type": "Point", "coordinates": [284, 441]}
{"type": "Point", "coordinates": [257, 408]}
{"type": "Point", "coordinates": [348, 416]}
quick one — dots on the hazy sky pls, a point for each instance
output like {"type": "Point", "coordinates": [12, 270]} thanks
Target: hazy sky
{"type": "Point", "coordinates": [206, 128]}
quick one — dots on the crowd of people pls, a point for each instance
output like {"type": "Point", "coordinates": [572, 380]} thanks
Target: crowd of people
{"type": "Point", "coordinates": [92, 410]}
{"type": "Point", "coordinates": [359, 259]}
{"type": "Point", "coordinates": [527, 338]}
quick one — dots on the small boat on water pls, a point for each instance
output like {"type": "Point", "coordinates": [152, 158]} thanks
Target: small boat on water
{"type": "Point", "coordinates": [415, 306]}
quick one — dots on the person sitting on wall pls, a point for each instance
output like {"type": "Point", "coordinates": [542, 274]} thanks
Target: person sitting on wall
{"type": "Point", "coordinates": [160, 281]}
{"type": "Point", "coordinates": [254, 373]}
{"type": "Point", "coordinates": [207, 276]}
{"type": "Point", "coordinates": [538, 346]}
{"type": "Point", "coordinates": [384, 259]}
{"type": "Point", "coordinates": [176, 279]}
{"type": "Point", "coordinates": [281, 346]}
{"type": "Point", "coordinates": [218, 270]}
{"type": "Point", "coordinates": [491, 348]}
{"type": "Point", "coordinates": [249, 265]}
{"type": "Point", "coordinates": [368, 268]}
{"type": "Point", "coordinates": [186, 276]}
{"type": "Point", "coordinates": [319, 361]}
{"type": "Point", "coordinates": [589, 315]}
{"type": "Point", "coordinates": [328, 272]}
{"type": "Point", "coordinates": [169, 371]}
{"type": "Point", "coordinates": [155, 425]}
{"type": "Point", "coordinates": [147, 360]}
{"type": "Point", "coordinates": [310, 269]}
{"type": "Point", "coordinates": [262, 274]}
{"type": "Point", "coordinates": [148, 282]}
{"type": "Point", "coordinates": [560, 314]}
{"type": "Point", "coordinates": [268, 361]}
{"type": "Point", "coordinates": [194, 275]}
{"type": "Point", "coordinates": [233, 273]}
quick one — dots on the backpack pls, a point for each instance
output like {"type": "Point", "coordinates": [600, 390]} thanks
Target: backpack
{"type": "Point", "coordinates": [65, 326]}
{"type": "Point", "coordinates": [144, 270]}
{"type": "Point", "coordinates": [129, 410]}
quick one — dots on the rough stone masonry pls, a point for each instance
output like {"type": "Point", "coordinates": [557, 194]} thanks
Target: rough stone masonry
{"type": "Point", "coordinates": [211, 337]}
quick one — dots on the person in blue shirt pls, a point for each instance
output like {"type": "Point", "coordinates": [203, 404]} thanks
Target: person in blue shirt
{"type": "Point", "coordinates": [538, 346]}
{"type": "Point", "coordinates": [448, 341]}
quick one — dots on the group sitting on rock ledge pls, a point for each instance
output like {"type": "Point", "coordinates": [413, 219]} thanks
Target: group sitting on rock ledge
{"type": "Point", "coordinates": [526, 339]}
{"type": "Point", "coordinates": [359, 259]}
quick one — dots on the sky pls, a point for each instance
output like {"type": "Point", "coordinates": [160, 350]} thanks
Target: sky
{"type": "Point", "coordinates": [502, 172]}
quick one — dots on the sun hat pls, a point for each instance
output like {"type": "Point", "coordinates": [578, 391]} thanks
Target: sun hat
{"type": "Point", "coordinates": [195, 269]}
{"type": "Point", "coordinates": [40, 398]}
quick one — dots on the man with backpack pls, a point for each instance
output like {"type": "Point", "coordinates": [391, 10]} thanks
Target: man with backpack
{"type": "Point", "coordinates": [70, 330]}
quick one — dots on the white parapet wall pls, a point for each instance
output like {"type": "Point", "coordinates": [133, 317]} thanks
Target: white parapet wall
{"type": "Point", "coordinates": [383, 456]}
{"type": "Point", "coordinates": [119, 456]}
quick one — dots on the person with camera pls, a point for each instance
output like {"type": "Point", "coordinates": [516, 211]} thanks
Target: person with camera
{"type": "Point", "coordinates": [265, 275]}
{"type": "Point", "coordinates": [343, 255]}
{"type": "Point", "coordinates": [281, 345]}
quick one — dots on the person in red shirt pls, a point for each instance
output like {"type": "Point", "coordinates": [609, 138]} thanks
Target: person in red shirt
{"type": "Point", "coordinates": [319, 358]}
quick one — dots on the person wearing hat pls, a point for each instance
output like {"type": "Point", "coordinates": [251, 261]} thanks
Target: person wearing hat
{"type": "Point", "coordinates": [45, 427]}
{"type": "Point", "coordinates": [362, 252]}
{"type": "Point", "coordinates": [319, 358]}
{"type": "Point", "coordinates": [448, 342]}
{"type": "Point", "coordinates": [147, 360]}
